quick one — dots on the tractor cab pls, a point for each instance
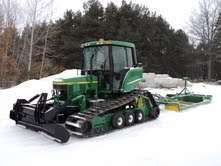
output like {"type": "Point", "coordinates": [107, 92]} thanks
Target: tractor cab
{"type": "Point", "coordinates": [114, 63]}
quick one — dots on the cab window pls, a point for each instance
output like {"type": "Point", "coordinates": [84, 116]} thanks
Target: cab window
{"type": "Point", "coordinates": [130, 57]}
{"type": "Point", "coordinates": [122, 58]}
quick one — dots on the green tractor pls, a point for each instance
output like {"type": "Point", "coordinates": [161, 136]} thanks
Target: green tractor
{"type": "Point", "coordinates": [103, 98]}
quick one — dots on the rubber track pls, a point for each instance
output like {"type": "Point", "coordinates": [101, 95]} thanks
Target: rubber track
{"type": "Point", "coordinates": [108, 106]}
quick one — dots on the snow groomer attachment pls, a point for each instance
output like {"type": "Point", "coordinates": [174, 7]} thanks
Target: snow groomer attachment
{"type": "Point", "coordinates": [183, 100]}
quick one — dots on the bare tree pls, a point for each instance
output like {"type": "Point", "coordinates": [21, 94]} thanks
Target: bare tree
{"type": "Point", "coordinates": [37, 11]}
{"type": "Point", "coordinates": [44, 52]}
{"type": "Point", "coordinates": [8, 21]}
{"type": "Point", "coordinates": [203, 27]}
{"type": "Point", "coordinates": [46, 42]}
{"type": "Point", "coordinates": [33, 22]}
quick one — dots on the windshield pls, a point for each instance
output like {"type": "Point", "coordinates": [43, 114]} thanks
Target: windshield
{"type": "Point", "coordinates": [96, 58]}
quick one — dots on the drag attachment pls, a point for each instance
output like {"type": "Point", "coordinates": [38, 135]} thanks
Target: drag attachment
{"type": "Point", "coordinates": [39, 117]}
{"type": "Point", "coordinates": [183, 100]}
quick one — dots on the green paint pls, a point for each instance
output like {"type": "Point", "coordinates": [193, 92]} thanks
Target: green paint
{"type": "Point", "coordinates": [78, 90]}
{"type": "Point", "coordinates": [185, 101]}
{"type": "Point", "coordinates": [132, 79]}
{"type": "Point", "coordinates": [81, 101]}
{"type": "Point", "coordinates": [102, 121]}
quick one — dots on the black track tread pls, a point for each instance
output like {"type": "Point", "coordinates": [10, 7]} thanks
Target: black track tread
{"type": "Point", "coordinates": [110, 105]}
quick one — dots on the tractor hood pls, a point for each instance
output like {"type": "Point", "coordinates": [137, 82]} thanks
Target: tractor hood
{"type": "Point", "coordinates": [69, 89]}
{"type": "Point", "coordinates": [76, 80]}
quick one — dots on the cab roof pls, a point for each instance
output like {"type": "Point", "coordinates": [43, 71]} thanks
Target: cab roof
{"type": "Point", "coordinates": [107, 42]}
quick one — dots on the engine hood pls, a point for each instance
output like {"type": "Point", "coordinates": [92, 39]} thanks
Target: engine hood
{"type": "Point", "coordinates": [76, 80]}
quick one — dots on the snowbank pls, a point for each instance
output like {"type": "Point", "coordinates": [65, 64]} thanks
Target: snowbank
{"type": "Point", "coordinates": [153, 80]}
{"type": "Point", "coordinates": [44, 84]}
{"type": "Point", "coordinates": [218, 82]}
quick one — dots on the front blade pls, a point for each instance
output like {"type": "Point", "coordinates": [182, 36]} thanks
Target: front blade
{"type": "Point", "coordinates": [58, 132]}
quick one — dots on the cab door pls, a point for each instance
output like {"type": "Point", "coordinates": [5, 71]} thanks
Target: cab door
{"type": "Point", "coordinates": [123, 60]}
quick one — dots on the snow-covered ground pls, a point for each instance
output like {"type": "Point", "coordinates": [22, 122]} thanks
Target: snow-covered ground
{"type": "Point", "coordinates": [191, 137]}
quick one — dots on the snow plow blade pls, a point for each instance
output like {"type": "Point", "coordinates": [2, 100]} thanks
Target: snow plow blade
{"type": "Point", "coordinates": [39, 117]}
{"type": "Point", "coordinates": [54, 131]}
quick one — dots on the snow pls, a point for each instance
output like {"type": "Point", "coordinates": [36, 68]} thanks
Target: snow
{"type": "Point", "coordinates": [191, 137]}
{"type": "Point", "coordinates": [161, 81]}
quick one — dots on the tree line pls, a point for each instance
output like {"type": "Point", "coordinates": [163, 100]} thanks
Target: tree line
{"type": "Point", "coordinates": [44, 47]}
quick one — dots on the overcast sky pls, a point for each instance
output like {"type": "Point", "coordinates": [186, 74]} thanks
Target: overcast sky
{"type": "Point", "coordinates": [176, 12]}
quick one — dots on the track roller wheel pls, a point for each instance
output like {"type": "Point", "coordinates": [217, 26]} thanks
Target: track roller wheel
{"type": "Point", "coordinates": [118, 121]}
{"type": "Point", "coordinates": [129, 118]}
{"type": "Point", "coordinates": [139, 116]}
{"type": "Point", "coordinates": [154, 113]}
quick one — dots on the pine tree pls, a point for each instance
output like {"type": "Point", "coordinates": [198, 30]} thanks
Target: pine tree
{"type": "Point", "coordinates": [217, 50]}
{"type": "Point", "coordinates": [159, 47]}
